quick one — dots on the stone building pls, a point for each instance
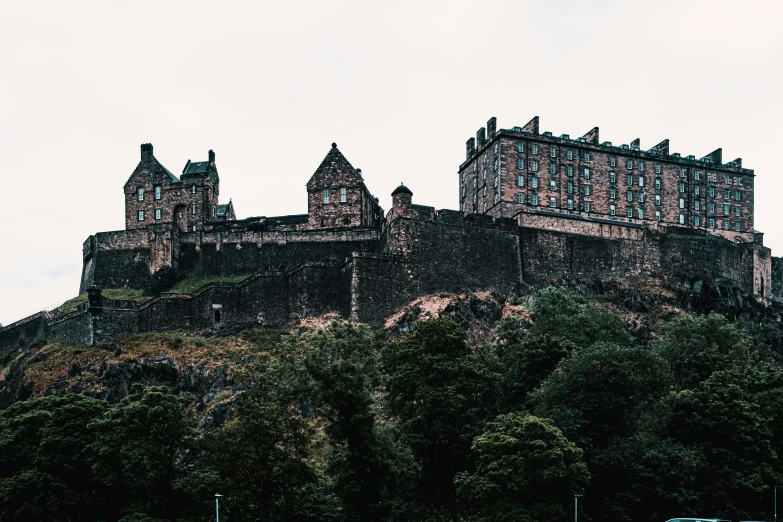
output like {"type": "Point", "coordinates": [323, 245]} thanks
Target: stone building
{"type": "Point", "coordinates": [572, 183]}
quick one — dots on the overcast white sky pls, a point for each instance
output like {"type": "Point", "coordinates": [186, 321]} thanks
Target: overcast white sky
{"type": "Point", "coordinates": [398, 85]}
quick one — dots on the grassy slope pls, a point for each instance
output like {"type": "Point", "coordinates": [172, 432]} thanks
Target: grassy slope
{"type": "Point", "coordinates": [109, 293]}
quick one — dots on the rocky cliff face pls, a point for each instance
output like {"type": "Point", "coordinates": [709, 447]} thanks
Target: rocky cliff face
{"type": "Point", "coordinates": [205, 363]}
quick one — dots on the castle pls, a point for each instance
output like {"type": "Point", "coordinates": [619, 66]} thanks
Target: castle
{"type": "Point", "coordinates": [533, 207]}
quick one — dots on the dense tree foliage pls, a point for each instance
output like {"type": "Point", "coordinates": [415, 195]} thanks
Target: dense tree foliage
{"type": "Point", "coordinates": [352, 424]}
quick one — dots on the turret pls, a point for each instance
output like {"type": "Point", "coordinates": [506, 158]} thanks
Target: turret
{"type": "Point", "coordinates": [401, 197]}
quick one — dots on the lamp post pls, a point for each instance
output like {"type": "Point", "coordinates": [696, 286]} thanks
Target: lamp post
{"type": "Point", "coordinates": [217, 507]}
{"type": "Point", "coordinates": [775, 489]}
{"type": "Point", "coordinates": [576, 507]}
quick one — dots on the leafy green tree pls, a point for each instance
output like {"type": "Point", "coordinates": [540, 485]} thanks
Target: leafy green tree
{"type": "Point", "coordinates": [526, 470]}
{"type": "Point", "coordinates": [441, 394]}
{"type": "Point", "coordinates": [726, 424]}
{"type": "Point", "coordinates": [599, 393]}
{"type": "Point", "coordinates": [44, 466]}
{"type": "Point", "coordinates": [696, 346]}
{"type": "Point", "coordinates": [138, 449]}
{"type": "Point", "coordinates": [371, 465]}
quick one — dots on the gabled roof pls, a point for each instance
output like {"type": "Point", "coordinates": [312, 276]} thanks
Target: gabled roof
{"type": "Point", "coordinates": [335, 163]}
{"type": "Point", "coordinates": [156, 167]}
{"type": "Point", "coordinates": [196, 167]}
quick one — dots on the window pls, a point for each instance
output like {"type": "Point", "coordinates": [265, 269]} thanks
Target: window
{"type": "Point", "coordinates": [570, 154]}
{"type": "Point", "coordinates": [711, 207]}
{"type": "Point", "coordinates": [612, 161]}
{"type": "Point", "coordinates": [193, 209]}
{"type": "Point", "coordinates": [657, 215]}
{"type": "Point", "coordinates": [485, 191]}
{"type": "Point", "coordinates": [343, 194]}
{"type": "Point", "coordinates": [612, 177]}
{"type": "Point", "coordinates": [586, 206]}
{"type": "Point", "coordinates": [737, 195]}
{"type": "Point", "coordinates": [552, 201]}
{"type": "Point", "coordinates": [497, 145]}
{"type": "Point", "coordinates": [326, 195]}
{"type": "Point", "coordinates": [712, 222]}
{"type": "Point", "coordinates": [520, 146]}
{"type": "Point", "coordinates": [463, 192]}
{"type": "Point", "coordinates": [629, 179]}
{"type": "Point", "coordinates": [570, 204]}
{"type": "Point", "coordinates": [725, 224]}
{"type": "Point", "coordinates": [485, 173]}
{"type": "Point", "coordinates": [657, 200]}
{"type": "Point", "coordinates": [497, 198]}
{"type": "Point", "coordinates": [737, 181]}
{"type": "Point", "coordinates": [629, 164]}
{"type": "Point", "coordinates": [194, 228]}
{"type": "Point", "coordinates": [474, 183]}
{"type": "Point", "coordinates": [641, 197]}
{"type": "Point", "coordinates": [475, 166]}
{"type": "Point", "coordinates": [696, 221]}
{"type": "Point", "coordinates": [157, 191]}
{"type": "Point", "coordinates": [682, 187]}
{"type": "Point", "coordinates": [629, 212]}
{"type": "Point", "coordinates": [696, 205]}
{"type": "Point", "coordinates": [497, 164]}
{"type": "Point", "coordinates": [552, 152]}
{"type": "Point", "coordinates": [157, 213]}
{"type": "Point", "coordinates": [193, 189]}
{"type": "Point", "coordinates": [141, 215]}
{"type": "Point", "coordinates": [520, 163]}
{"type": "Point", "coordinates": [640, 213]}
{"type": "Point", "coordinates": [612, 210]}
{"type": "Point", "coordinates": [657, 183]}
{"type": "Point", "coordinates": [629, 195]}
{"type": "Point", "coordinates": [712, 191]}
{"type": "Point", "coordinates": [641, 181]}
{"type": "Point", "coordinates": [612, 193]}
{"type": "Point", "coordinates": [533, 182]}
{"type": "Point", "coordinates": [570, 171]}
{"type": "Point", "coordinates": [682, 219]}
{"type": "Point", "coordinates": [534, 199]}
{"type": "Point", "coordinates": [641, 166]}
{"type": "Point", "coordinates": [552, 184]}
{"type": "Point", "coordinates": [711, 177]}
{"type": "Point", "coordinates": [683, 172]}
{"type": "Point", "coordinates": [533, 148]}
{"type": "Point", "coordinates": [697, 190]}
{"type": "Point", "coordinates": [587, 190]}
{"type": "Point", "coordinates": [534, 165]}
{"type": "Point", "coordinates": [657, 168]}
{"type": "Point", "coordinates": [570, 187]}
{"type": "Point", "coordinates": [484, 207]}
{"type": "Point", "coordinates": [697, 175]}
{"type": "Point", "coordinates": [520, 197]}
{"type": "Point", "coordinates": [140, 194]}
{"type": "Point", "coordinates": [737, 226]}
{"type": "Point", "coordinates": [586, 173]}
{"type": "Point", "coordinates": [180, 214]}
{"type": "Point", "coordinates": [586, 157]}
{"type": "Point", "coordinates": [496, 180]}
{"type": "Point", "coordinates": [725, 210]}
{"type": "Point", "coordinates": [520, 180]}
{"type": "Point", "coordinates": [726, 193]}
{"type": "Point", "coordinates": [737, 210]}
{"type": "Point", "coordinates": [726, 179]}
{"type": "Point", "coordinates": [682, 202]}
{"type": "Point", "coordinates": [552, 168]}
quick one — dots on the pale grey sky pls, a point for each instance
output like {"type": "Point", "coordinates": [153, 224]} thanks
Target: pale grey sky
{"type": "Point", "coordinates": [398, 85]}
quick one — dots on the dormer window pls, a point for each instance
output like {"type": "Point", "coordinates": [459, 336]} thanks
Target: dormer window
{"type": "Point", "coordinates": [140, 194]}
{"type": "Point", "coordinates": [326, 195]}
{"type": "Point", "coordinates": [157, 191]}
{"type": "Point", "coordinates": [343, 194]}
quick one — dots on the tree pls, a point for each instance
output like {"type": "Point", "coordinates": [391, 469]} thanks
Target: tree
{"type": "Point", "coordinates": [598, 394]}
{"type": "Point", "coordinates": [694, 347]}
{"type": "Point", "coordinates": [441, 394]}
{"type": "Point", "coordinates": [526, 470]}
{"type": "Point", "coordinates": [139, 444]}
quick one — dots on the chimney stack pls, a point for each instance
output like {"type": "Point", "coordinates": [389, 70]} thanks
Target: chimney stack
{"type": "Point", "coordinates": [470, 147]}
{"type": "Point", "coordinates": [481, 137]}
{"type": "Point", "coordinates": [492, 127]}
{"type": "Point", "coordinates": [146, 151]}
{"type": "Point", "coordinates": [211, 156]}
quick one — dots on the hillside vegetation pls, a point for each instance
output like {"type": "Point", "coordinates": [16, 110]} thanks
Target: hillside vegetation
{"type": "Point", "coordinates": [462, 407]}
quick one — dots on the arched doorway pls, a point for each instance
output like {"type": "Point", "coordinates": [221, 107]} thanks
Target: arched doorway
{"type": "Point", "coordinates": [217, 315]}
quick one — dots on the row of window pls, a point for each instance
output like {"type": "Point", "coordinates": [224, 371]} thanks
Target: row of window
{"type": "Point", "coordinates": [158, 213]}
{"type": "Point", "coordinates": [156, 189]}
{"type": "Point", "coordinates": [343, 195]}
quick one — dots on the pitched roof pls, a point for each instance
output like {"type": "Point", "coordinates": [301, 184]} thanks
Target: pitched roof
{"type": "Point", "coordinates": [196, 167]}
{"type": "Point", "coordinates": [334, 161]}
{"type": "Point", "coordinates": [156, 167]}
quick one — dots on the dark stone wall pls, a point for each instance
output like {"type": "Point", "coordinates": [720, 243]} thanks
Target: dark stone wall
{"type": "Point", "coordinates": [380, 284]}
{"type": "Point", "coordinates": [315, 289]}
{"type": "Point", "coordinates": [75, 328]}
{"type": "Point", "coordinates": [22, 333]}
{"type": "Point", "coordinates": [777, 278]}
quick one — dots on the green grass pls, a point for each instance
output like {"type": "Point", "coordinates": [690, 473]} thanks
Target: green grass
{"type": "Point", "coordinates": [109, 293]}
{"type": "Point", "coordinates": [191, 284]}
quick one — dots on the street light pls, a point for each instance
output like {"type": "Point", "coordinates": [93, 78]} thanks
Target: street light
{"type": "Point", "coordinates": [217, 507]}
{"type": "Point", "coordinates": [775, 488]}
{"type": "Point", "coordinates": [576, 507]}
